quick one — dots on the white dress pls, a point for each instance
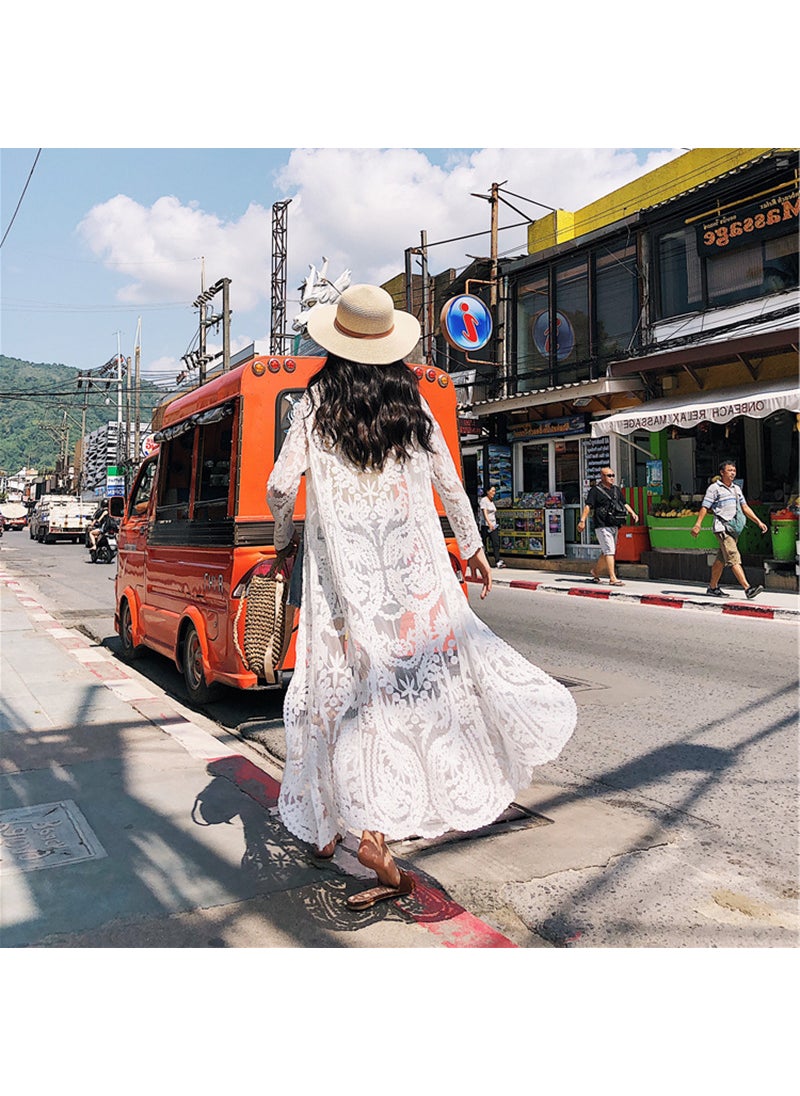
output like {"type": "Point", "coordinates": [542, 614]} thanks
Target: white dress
{"type": "Point", "coordinates": [405, 714]}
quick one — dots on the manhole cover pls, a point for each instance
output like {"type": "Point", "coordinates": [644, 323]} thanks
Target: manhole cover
{"type": "Point", "coordinates": [46, 836]}
{"type": "Point", "coordinates": [513, 818]}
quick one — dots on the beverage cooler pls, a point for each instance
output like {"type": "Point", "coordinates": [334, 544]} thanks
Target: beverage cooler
{"type": "Point", "coordinates": [533, 530]}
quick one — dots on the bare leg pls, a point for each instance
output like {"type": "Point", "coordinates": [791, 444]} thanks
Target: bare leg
{"type": "Point", "coordinates": [612, 575]}
{"type": "Point", "coordinates": [717, 567]}
{"type": "Point", "coordinates": [741, 578]}
{"type": "Point", "coordinates": [374, 854]}
{"type": "Point", "coordinates": [598, 567]}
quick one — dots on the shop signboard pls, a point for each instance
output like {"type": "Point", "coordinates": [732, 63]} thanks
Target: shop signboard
{"type": "Point", "coordinates": [115, 483]}
{"type": "Point", "coordinates": [596, 455]}
{"type": "Point", "coordinates": [498, 466]}
{"type": "Point", "coordinates": [541, 332]}
{"type": "Point", "coordinates": [466, 322]}
{"type": "Point", "coordinates": [655, 476]}
{"type": "Point", "coordinates": [753, 220]}
{"type": "Point", "coordinates": [530, 431]}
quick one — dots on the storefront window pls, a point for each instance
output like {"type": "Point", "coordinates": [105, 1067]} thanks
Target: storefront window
{"type": "Point", "coordinates": [780, 457]}
{"type": "Point", "coordinates": [754, 271]}
{"type": "Point", "coordinates": [679, 275]}
{"type": "Point", "coordinates": [616, 297]}
{"type": "Point", "coordinates": [572, 347]}
{"type": "Point", "coordinates": [568, 479]}
{"type": "Point", "coordinates": [533, 343]}
{"type": "Point", "coordinates": [536, 467]}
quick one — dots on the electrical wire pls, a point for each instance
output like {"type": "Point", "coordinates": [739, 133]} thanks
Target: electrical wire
{"type": "Point", "coordinates": [22, 195]}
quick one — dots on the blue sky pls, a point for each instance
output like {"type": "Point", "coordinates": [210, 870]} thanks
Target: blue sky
{"type": "Point", "coordinates": [105, 238]}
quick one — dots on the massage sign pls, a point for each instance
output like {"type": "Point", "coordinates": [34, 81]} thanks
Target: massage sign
{"type": "Point", "coordinates": [760, 218]}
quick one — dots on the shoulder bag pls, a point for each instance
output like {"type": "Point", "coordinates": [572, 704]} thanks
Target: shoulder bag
{"type": "Point", "coordinates": [268, 619]}
{"type": "Point", "coordinates": [735, 526]}
{"type": "Point", "coordinates": [614, 513]}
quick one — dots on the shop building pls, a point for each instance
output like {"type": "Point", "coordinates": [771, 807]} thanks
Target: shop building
{"type": "Point", "coordinates": [655, 330]}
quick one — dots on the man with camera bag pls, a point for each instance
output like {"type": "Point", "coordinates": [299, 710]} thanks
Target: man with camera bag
{"type": "Point", "coordinates": [724, 499]}
{"type": "Point", "coordinates": [610, 512]}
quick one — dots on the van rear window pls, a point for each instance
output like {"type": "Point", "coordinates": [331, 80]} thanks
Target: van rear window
{"type": "Point", "coordinates": [285, 408]}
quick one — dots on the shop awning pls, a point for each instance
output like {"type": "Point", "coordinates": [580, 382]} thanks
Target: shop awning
{"type": "Point", "coordinates": [756, 401]}
{"type": "Point", "coordinates": [583, 391]}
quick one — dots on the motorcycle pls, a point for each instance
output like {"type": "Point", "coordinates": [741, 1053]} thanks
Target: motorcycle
{"type": "Point", "coordinates": [105, 550]}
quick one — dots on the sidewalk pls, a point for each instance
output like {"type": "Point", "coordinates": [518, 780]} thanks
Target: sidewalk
{"type": "Point", "coordinates": [668, 593]}
{"type": "Point", "coordinates": [163, 826]}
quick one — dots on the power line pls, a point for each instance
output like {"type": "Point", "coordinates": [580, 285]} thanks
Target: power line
{"type": "Point", "coordinates": [22, 195]}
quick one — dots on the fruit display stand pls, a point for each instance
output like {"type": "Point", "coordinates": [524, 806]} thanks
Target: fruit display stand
{"type": "Point", "coordinates": [672, 531]}
{"type": "Point", "coordinates": [675, 534]}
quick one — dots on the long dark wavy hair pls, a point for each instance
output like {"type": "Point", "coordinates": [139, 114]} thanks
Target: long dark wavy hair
{"type": "Point", "coordinates": [368, 412]}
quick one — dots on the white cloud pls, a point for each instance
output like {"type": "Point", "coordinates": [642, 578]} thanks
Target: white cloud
{"type": "Point", "coordinates": [158, 249]}
{"type": "Point", "coordinates": [359, 207]}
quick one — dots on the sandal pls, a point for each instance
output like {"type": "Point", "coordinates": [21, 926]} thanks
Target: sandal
{"type": "Point", "coordinates": [365, 899]}
{"type": "Point", "coordinates": [594, 579]}
{"type": "Point", "coordinates": [321, 854]}
{"type": "Point", "coordinates": [617, 583]}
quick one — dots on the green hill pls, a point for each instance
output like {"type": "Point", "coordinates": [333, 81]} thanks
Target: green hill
{"type": "Point", "coordinates": [37, 400]}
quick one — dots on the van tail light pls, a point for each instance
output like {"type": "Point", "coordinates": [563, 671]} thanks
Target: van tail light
{"type": "Point", "coordinates": [241, 586]}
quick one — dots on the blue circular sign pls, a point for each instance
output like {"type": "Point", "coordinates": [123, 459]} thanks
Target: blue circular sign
{"type": "Point", "coordinates": [466, 322]}
{"type": "Point", "coordinates": [564, 337]}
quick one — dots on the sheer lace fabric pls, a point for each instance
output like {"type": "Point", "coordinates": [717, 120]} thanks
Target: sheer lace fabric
{"type": "Point", "coordinates": [405, 713]}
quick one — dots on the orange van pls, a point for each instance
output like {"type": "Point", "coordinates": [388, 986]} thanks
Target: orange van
{"type": "Point", "coordinates": [196, 522]}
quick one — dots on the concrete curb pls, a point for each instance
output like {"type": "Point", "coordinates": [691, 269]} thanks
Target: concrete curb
{"type": "Point", "coordinates": [668, 601]}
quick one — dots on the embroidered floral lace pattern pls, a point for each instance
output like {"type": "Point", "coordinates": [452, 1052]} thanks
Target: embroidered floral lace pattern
{"type": "Point", "coordinates": [405, 714]}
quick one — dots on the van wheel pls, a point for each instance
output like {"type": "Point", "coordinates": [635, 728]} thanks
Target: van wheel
{"type": "Point", "coordinates": [129, 650]}
{"type": "Point", "coordinates": [199, 691]}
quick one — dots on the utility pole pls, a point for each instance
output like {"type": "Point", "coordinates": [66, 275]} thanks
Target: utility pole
{"type": "Point", "coordinates": [409, 281]}
{"type": "Point", "coordinates": [199, 359]}
{"type": "Point", "coordinates": [202, 301]}
{"type": "Point", "coordinates": [495, 202]}
{"type": "Point", "coordinates": [277, 329]}
{"type": "Point", "coordinates": [426, 345]}
{"type": "Point", "coordinates": [119, 399]}
{"type": "Point", "coordinates": [137, 392]}
{"type": "Point", "coordinates": [226, 324]}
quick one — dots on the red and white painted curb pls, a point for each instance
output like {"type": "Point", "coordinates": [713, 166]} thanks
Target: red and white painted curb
{"type": "Point", "coordinates": [664, 601]}
{"type": "Point", "coordinates": [427, 906]}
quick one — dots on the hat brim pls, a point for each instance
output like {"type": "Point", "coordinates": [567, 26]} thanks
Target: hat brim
{"type": "Point", "coordinates": [385, 350]}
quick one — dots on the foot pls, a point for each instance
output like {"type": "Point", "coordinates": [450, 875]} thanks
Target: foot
{"type": "Point", "coordinates": [327, 851]}
{"type": "Point", "coordinates": [615, 582]}
{"type": "Point", "coordinates": [753, 591]}
{"type": "Point", "coordinates": [373, 854]}
{"type": "Point", "coordinates": [715, 591]}
{"type": "Point", "coordinates": [500, 563]}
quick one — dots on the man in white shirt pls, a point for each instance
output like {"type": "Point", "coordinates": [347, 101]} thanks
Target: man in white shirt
{"type": "Point", "coordinates": [723, 498]}
{"type": "Point", "coordinates": [489, 524]}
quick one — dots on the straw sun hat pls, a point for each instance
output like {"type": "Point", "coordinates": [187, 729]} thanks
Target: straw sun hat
{"type": "Point", "coordinates": [364, 326]}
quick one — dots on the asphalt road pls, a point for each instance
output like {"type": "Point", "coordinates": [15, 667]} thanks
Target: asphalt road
{"type": "Point", "coordinates": [676, 797]}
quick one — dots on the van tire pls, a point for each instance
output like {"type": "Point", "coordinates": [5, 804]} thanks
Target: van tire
{"type": "Point", "coordinates": [129, 650]}
{"type": "Point", "coordinates": [192, 661]}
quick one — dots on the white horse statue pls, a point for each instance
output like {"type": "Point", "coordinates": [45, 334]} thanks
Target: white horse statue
{"type": "Point", "coordinates": [318, 289]}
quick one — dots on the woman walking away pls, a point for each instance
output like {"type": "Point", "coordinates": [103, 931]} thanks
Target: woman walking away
{"type": "Point", "coordinates": [405, 714]}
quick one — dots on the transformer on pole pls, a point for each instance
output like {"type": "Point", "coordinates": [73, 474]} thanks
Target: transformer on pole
{"type": "Point", "coordinates": [277, 333]}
